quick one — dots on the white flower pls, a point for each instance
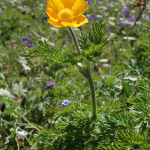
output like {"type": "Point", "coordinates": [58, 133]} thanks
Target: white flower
{"type": "Point", "coordinates": [20, 7]}
{"type": "Point", "coordinates": [119, 87]}
{"type": "Point", "coordinates": [138, 22]}
{"type": "Point", "coordinates": [26, 67]}
{"type": "Point", "coordinates": [123, 32]}
{"type": "Point", "coordinates": [2, 76]}
{"type": "Point", "coordinates": [129, 38]}
{"type": "Point", "coordinates": [111, 18]}
{"type": "Point", "coordinates": [122, 50]}
{"type": "Point", "coordinates": [17, 86]}
{"type": "Point", "coordinates": [23, 133]}
{"type": "Point", "coordinates": [103, 60]}
{"type": "Point", "coordinates": [111, 23]}
{"type": "Point", "coordinates": [45, 39]}
{"type": "Point", "coordinates": [106, 65]}
{"type": "Point", "coordinates": [4, 92]}
{"type": "Point", "coordinates": [111, 36]}
{"type": "Point", "coordinates": [127, 77]}
{"type": "Point", "coordinates": [54, 29]}
{"type": "Point", "coordinates": [133, 79]}
{"type": "Point", "coordinates": [99, 16]}
{"type": "Point", "coordinates": [22, 60]}
{"type": "Point", "coordinates": [102, 7]}
{"type": "Point", "coordinates": [130, 78]}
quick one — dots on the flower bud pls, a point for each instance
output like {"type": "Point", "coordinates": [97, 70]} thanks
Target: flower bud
{"type": "Point", "coordinates": [23, 101]}
{"type": "Point", "coordinates": [3, 107]}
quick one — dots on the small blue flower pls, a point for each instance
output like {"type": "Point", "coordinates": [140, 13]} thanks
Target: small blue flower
{"type": "Point", "coordinates": [25, 40]}
{"type": "Point", "coordinates": [65, 102]}
{"type": "Point", "coordinates": [110, 5]}
{"type": "Point", "coordinates": [145, 17]}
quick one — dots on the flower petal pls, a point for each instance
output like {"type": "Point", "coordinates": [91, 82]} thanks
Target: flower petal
{"type": "Point", "coordinates": [68, 4]}
{"type": "Point", "coordinates": [52, 14]}
{"type": "Point", "coordinates": [56, 24]}
{"type": "Point", "coordinates": [80, 21]}
{"type": "Point", "coordinates": [56, 5]}
{"type": "Point", "coordinates": [79, 7]}
{"type": "Point", "coordinates": [50, 5]}
{"type": "Point", "coordinates": [67, 24]}
{"type": "Point", "coordinates": [76, 23]}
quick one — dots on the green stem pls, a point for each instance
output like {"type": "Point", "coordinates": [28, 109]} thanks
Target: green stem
{"type": "Point", "coordinates": [74, 39]}
{"type": "Point", "coordinates": [91, 84]}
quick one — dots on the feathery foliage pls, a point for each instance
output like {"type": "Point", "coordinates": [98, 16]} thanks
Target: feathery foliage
{"type": "Point", "coordinates": [92, 46]}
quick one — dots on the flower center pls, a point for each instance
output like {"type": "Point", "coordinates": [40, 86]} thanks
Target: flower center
{"type": "Point", "coordinates": [65, 14]}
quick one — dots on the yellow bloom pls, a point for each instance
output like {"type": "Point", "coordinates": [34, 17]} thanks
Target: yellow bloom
{"type": "Point", "coordinates": [100, 71]}
{"type": "Point", "coordinates": [63, 13]}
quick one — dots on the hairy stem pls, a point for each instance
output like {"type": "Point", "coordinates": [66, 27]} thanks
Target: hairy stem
{"type": "Point", "coordinates": [91, 84]}
{"type": "Point", "coordinates": [74, 39]}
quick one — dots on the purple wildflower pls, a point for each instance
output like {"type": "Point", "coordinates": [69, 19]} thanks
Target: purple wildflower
{"type": "Point", "coordinates": [109, 30]}
{"type": "Point", "coordinates": [1, 10]}
{"type": "Point", "coordinates": [30, 44]}
{"type": "Point", "coordinates": [97, 3]}
{"type": "Point", "coordinates": [126, 25]}
{"type": "Point", "coordinates": [94, 16]}
{"type": "Point", "coordinates": [89, 18]}
{"type": "Point", "coordinates": [4, 22]}
{"type": "Point", "coordinates": [126, 10]}
{"type": "Point", "coordinates": [30, 33]}
{"type": "Point", "coordinates": [28, 89]}
{"type": "Point", "coordinates": [132, 18]}
{"type": "Point", "coordinates": [25, 40]}
{"type": "Point", "coordinates": [50, 84]}
{"type": "Point", "coordinates": [65, 102]}
{"type": "Point", "coordinates": [121, 15]}
{"type": "Point", "coordinates": [119, 23]}
{"type": "Point", "coordinates": [89, 1]}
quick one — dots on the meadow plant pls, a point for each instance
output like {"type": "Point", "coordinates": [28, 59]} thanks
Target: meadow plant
{"type": "Point", "coordinates": [88, 47]}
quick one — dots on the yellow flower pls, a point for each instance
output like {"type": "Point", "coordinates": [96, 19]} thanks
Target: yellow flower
{"type": "Point", "coordinates": [63, 13]}
{"type": "Point", "coordinates": [100, 71]}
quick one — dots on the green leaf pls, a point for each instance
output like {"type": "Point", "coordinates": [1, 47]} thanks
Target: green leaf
{"type": "Point", "coordinates": [13, 133]}
{"type": "Point", "coordinates": [126, 88]}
